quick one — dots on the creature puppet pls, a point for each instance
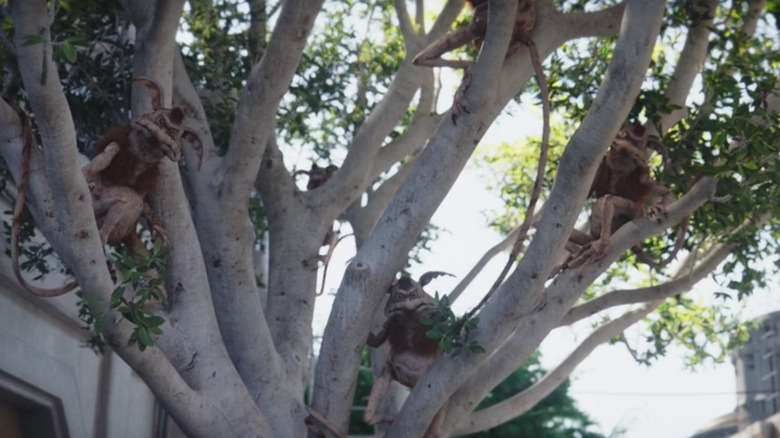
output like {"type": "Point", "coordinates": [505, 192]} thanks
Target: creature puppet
{"type": "Point", "coordinates": [622, 187]}
{"type": "Point", "coordinates": [120, 176]}
{"type": "Point", "coordinates": [126, 169]}
{"type": "Point", "coordinates": [525, 20]}
{"type": "Point", "coordinates": [411, 351]}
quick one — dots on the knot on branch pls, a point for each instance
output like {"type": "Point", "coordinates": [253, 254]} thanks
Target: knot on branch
{"type": "Point", "coordinates": [357, 272]}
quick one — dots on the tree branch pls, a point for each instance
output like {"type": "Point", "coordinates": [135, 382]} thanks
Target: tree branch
{"type": "Point", "coordinates": [599, 24]}
{"type": "Point", "coordinates": [404, 20]}
{"type": "Point", "coordinates": [73, 231]}
{"type": "Point", "coordinates": [525, 400]}
{"type": "Point", "coordinates": [181, 401]}
{"type": "Point", "coordinates": [560, 296]}
{"type": "Point", "coordinates": [485, 259]}
{"type": "Point", "coordinates": [364, 218]}
{"type": "Point", "coordinates": [206, 362]}
{"type": "Point", "coordinates": [250, 346]}
{"type": "Point", "coordinates": [403, 220]}
{"type": "Point", "coordinates": [662, 291]}
{"type": "Point", "coordinates": [256, 113]}
{"type": "Point", "coordinates": [518, 300]}
{"type": "Point", "coordinates": [689, 64]}
{"type": "Point", "coordinates": [411, 142]}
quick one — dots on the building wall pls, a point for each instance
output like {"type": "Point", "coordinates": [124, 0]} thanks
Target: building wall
{"type": "Point", "coordinates": [758, 388]}
{"type": "Point", "coordinates": [52, 385]}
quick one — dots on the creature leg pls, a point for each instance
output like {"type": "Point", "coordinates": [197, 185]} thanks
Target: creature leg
{"type": "Point", "coordinates": [609, 213]}
{"type": "Point", "coordinates": [378, 391]}
{"type": "Point", "coordinates": [577, 240]}
{"type": "Point", "coordinates": [601, 225]}
{"type": "Point", "coordinates": [155, 222]}
{"type": "Point", "coordinates": [435, 427]}
{"type": "Point", "coordinates": [117, 210]}
{"type": "Point", "coordinates": [431, 55]}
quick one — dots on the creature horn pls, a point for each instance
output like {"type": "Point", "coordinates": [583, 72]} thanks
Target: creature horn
{"type": "Point", "coordinates": [430, 275]}
{"type": "Point", "coordinates": [154, 89]}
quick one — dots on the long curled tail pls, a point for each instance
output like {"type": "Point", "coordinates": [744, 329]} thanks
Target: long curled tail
{"type": "Point", "coordinates": [16, 224]}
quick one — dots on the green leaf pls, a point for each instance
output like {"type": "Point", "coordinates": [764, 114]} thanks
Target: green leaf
{"type": "Point", "coordinates": [69, 52]}
{"type": "Point", "coordinates": [144, 338]}
{"type": "Point", "coordinates": [30, 40]}
{"type": "Point", "coordinates": [434, 333]}
{"type": "Point", "coordinates": [117, 297]}
{"type": "Point", "coordinates": [154, 321]}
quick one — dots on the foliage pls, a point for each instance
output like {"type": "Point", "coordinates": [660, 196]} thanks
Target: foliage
{"type": "Point", "coordinates": [94, 321]}
{"type": "Point", "coordinates": [365, 380]}
{"type": "Point", "coordinates": [719, 137]}
{"type": "Point", "coordinates": [555, 416]}
{"type": "Point", "coordinates": [346, 70]}
{"type": "Point", "coordinates": [706, 332]}
{"type": "Point", "coordinates": [216, 60]}
{"type": "Point", "coordinates": [141, 291]}
{"type": "Point", "coordinates": [136, 298]}
{"type": "Point", "coordinates": [510, 169]}
{"type": "Point", "coordinates": [451, 331]}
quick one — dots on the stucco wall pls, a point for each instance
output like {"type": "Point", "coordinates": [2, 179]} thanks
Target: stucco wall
{"type": "Point", "coordinates": [43, 360]}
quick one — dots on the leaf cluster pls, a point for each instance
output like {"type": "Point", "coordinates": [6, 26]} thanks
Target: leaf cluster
{"type": "Point", "coordinates": [706, 332]}
{"type": "Point", "coordinates": [345, 71]}
{"type": "Point", "coordinates": [140, 291]}
{"type": "Point", "coordinates": [451, 331]}
{"type": "Point", "coordinates": [218, 58]}
{"type": "Point", "coordinates": [136, 298]}
{"type": "Point", "coordinates": [92, 53]}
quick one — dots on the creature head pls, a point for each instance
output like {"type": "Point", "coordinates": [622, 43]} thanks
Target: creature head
{"type": "Point", "coordinates": [407, 296]}
{"type": "Point", "coordinates": [629, 151]}
{"type": "Point", "coordinates": [319, 175]}
{"type": "Point", "coordinates": [158, 134]}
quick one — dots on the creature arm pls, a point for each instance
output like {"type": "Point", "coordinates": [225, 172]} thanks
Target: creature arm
{"type": "Point", "coordinates": [431, 55]}
{"type": "Point", "coordinates": [374, 341]}
{"type": "Point", "coordinates": [101, 161]}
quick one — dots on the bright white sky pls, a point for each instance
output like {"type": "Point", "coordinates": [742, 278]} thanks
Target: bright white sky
{"type": "Point", "coordinates": [664, 400]}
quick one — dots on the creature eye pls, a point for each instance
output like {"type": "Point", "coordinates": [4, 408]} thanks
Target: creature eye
{"type": "Point", "coordinates": [397, 296]}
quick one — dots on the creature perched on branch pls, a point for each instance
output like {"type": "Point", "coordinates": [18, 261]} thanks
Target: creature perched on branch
{"type": "Point", "coordinates": [124, 171]}
{"type": "Point", "coordinates": [411, 351]}
{"type": "Point", "coordinates": [525, 20]}
{"type": "Point", "coordinates": [622, 187]}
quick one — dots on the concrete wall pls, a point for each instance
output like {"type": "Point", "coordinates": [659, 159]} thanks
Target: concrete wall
{"type": "Point", "coordinates": [758, 383]}
{"type": "Point", "coordinates": [52, 385]}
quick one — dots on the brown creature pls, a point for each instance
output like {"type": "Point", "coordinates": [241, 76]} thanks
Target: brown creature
{"type": "Point", "coordinates": [122, 173]}
{"type": "Point", "coordinates": [525, 20]}
{"type": "Point", "coordinates": [411, 351]}
{"type": "Point", "coordinates": [318, 175]}
{"type": "Point", "coordinates": [622, 187]}
{"type": "Point", "coordinates": [126, 169]}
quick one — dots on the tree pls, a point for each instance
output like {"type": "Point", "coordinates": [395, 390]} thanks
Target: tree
{"type": "Point", "coordinates": [232, 355]}
{"type": "Point", "coordinates": [557, 415]}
